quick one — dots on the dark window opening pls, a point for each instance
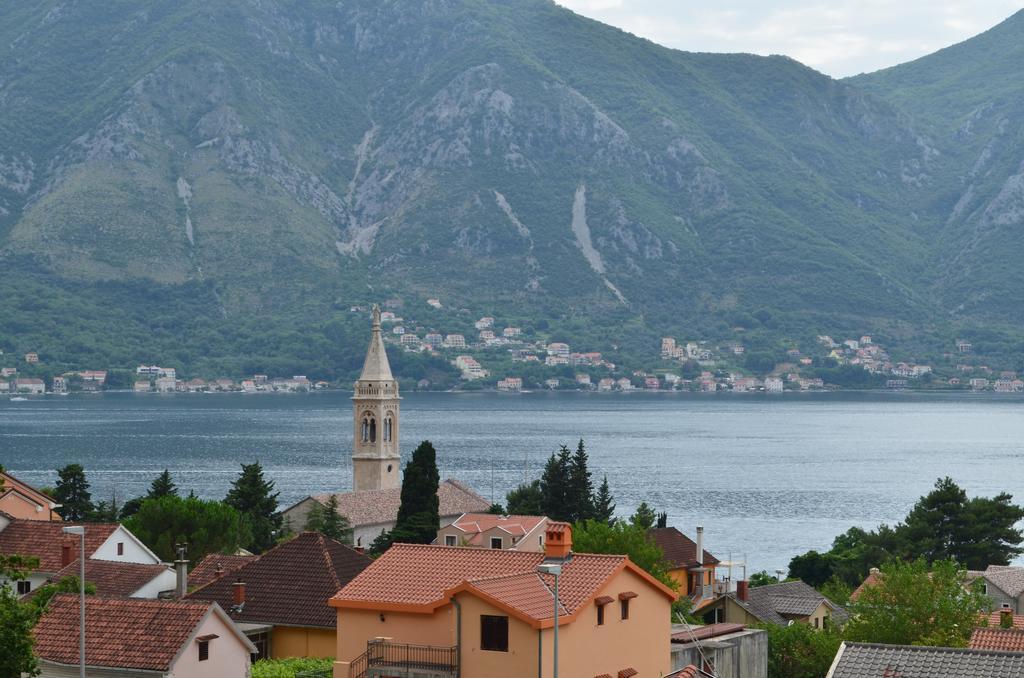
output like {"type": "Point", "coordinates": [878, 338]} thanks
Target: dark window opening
{"type": "Point", "coordinates": [373, 430]}
{"type": "Point", "coordinates": [495, 542]}
{"type": "Point", "coordinates": [204, 650]}
{"type": "Point", "coordinates": [624, 608]}
{"type": "Point", "coordinates": [24, 587]}
{"type": "Point", "coordinates": [600, 615]}
{"type": "Point", "coordinates": [120, 548]}
{"type": "Point", "coordinates": [493, 633]}
{"type": "Point", "coordinates": [449, 540]}
{"type": "Point", "coordinates": [261, 640]}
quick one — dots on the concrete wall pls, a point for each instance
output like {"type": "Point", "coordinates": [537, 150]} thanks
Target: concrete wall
{"type": "Point", "coordinates": [165, 581]}
{"type": "Point", "coordinates": [1000, 598]}
{"type": "Point", "coordinates": [736, 655]}
{"type": "Point", "coordinates": [229, 657]}
{"type": "Point", "coordinates": [292, 641]}
{"type": "Point", "coordinates": [134, 551]}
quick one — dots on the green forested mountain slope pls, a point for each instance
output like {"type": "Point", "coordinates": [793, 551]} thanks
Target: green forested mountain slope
{"type": "Point", "coordinates": [970, 97]}
{"type": "Point", "coordinates": [240, 168]}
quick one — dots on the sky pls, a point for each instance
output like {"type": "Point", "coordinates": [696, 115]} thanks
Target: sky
{"type": "Point", "coordinates": [840, 37]}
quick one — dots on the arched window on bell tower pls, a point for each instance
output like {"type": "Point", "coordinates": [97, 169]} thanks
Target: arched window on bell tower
{"type": "Point", "coordinates": [373, 430]}
{"type": "Point", "coordinates": [387, 429]}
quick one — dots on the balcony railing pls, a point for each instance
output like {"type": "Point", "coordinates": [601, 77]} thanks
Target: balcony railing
{"type": "Point", "coordinates": [384, 658]}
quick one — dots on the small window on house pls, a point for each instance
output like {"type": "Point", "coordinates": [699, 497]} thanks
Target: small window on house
{"type": "Point", "coordinates": [24, 587]}
{"type": "Point", "coordinates": [600, 615]}
{"type": "Point", "coordinates": [449, 540]}
{"type": "Point", "coordinates": [495, 542]}
{"type": "Point", "coordinates": [204, 650]}
{"type": "Point", "coordinates": [815, 622]}
{"type": "Point", "coordinates": [120, 548]}
{"type": "Point", "coordinates": [493, 633]}
{"type": "Point", "coordinates": [624, 608]}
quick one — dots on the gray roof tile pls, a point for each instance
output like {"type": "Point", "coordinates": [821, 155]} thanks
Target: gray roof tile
{"type": "Point", "coordinates": [864, 660]}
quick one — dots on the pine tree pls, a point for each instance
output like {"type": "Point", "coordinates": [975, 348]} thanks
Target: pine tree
{"type": "Point", "coordinates": [72, 493]}
{"type": "Point", "coordinates": [580, 486]}
{"type": "Point", "coordinates": [418, 515]}
{"type": "Point", "coordinates": [525, 500]}
{"type": "Point", "coordinates": [645, 517]}
{"type": "Point", "coordinates": [604, 503]}
{"type": "Point", "coordinates": [334, 524]}
{"type": "Point", "coordinates": [554, 486]}
{"type": "Point", "coordinates": [162, 486]}
{"type": "Point", "coordinates": [253, 496]}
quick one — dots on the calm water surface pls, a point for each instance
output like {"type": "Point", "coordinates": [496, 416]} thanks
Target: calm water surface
{"type": "Point", "coordinates": [768, 477]}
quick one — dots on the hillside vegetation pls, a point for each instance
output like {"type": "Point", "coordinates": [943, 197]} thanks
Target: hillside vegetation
{"type": "Point", "coordinates": [220, 181]}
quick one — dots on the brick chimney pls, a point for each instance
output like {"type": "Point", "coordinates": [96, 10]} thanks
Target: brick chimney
{"type": "Point", "coordinates": [742, 589]}
{"type": "Point", "coordinates": [238, 594]}
{"type": "Point", "coordinates": [65, 554]}
{"type": "Point", "coordinates": [557, 541]}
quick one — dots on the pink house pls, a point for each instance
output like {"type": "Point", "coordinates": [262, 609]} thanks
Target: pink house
{"type": "Point", "coordinates": [131, 637]}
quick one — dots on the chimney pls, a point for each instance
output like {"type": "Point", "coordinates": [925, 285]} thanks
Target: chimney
{"type": "Point", "coordinates": [238, 597]}
{"type": "Point", "coordinates": [742, 588]}
{"type": "Point", "coordinates": [181, 571]}
{"type": "Point", "coordinates": [219, 570]}
{"type": "Point", "coordinates": [557, 541]}
{"type": "Point", "coordinates": [65, 554]}
{"type": "Point", "coordinates": [700, 546]}
{"type": "Point", "coordinates": [359, 549]}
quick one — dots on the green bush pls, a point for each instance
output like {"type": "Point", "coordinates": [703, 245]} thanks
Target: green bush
{"type": "Point", "coordinates": [287, 668]}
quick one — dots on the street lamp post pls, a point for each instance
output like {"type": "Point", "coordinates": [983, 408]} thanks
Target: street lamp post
{"type": "Point", "coordinates": [555, 570]}
{"type": "Point", "coordinates": [80, 531]}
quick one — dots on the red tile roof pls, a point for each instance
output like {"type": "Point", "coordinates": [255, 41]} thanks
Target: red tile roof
{"type": "Point", "coordinates": [685, 672]}
{"type": "Point", "coordinates": [290, 584]}
{"type": "Point", "coordinates": [113, 579]}
{"type": "Point", "coordinates": [125, 633]}
{"type": "Point", "coordinates": [420, 578]}
{"type": "Point", "coordinates": [43, 539]}
{"type": "Point", "coordinates": [680, 551]}
{"type": "Point", "coordinates": [994, 619]}
{"type": "Point", "coordinates": [873, 578]}
{"type": "Point", "coordinates": [375, 507]}
{"type": "Point", "coordinates": [1008, 640]}
{"type": "Point", "coordinates": [473, 524]}
{"type": "Point", "coordinates": [207, 569]}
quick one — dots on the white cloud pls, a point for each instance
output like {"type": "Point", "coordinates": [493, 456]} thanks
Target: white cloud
{"type": "Point", "coordinates": [841, 37]}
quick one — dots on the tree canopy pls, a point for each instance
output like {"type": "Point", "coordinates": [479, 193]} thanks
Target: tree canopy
{"type": "Point", "coordinates": [525, 500]}
{"type": "Point", "coordinates": [622, 538]}
{"type": "Point", "coordinates": [206, 526]}
{"type": "Point", "coordinates": [567, 488]}
{"type": "Point", "coordinates": [72, 493]}
{"type": "Point", "coordinates": [327, 521]}
{"type": "Point", "coordinates": [912, 604]}
{"type": "Point", "coordinates": [944, 524]}
{"type": "Point", "coordinates": [419, 513]}
{"type": "Point", "coordinates": [253, 496]}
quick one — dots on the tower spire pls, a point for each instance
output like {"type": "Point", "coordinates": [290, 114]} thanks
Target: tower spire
{"type": "Point", "coordinates": [376, 366]}
{"type": "Point", "coordinates": [375, 411]}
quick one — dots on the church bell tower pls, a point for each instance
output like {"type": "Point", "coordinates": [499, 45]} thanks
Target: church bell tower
{"type": "Point", "coordinates": [375, 451]}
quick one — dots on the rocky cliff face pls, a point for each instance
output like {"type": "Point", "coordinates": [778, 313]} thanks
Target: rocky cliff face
{"type": "Point", "coordinates": [287, 155]}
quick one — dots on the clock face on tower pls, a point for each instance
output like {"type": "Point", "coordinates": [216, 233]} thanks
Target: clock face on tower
{"type": "Point", "coordinates": [375, 419]}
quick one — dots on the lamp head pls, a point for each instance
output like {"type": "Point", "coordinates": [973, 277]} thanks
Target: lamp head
{"type": "Point", "coordinates": [554, 569]}
{"type": "Point", "coordinates": [74, 529]}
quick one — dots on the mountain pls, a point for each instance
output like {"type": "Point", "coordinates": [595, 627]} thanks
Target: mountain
{"type": "Point", "coordinates": [219, 181]}
{"type": "Point", "coordinates": [970, 97]}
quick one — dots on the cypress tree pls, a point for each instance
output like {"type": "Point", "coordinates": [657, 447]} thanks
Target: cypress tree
{"type": "Point", "coordinates": [645, 517]}
{"type": "Point", "coordinates": [72, 493]}
{"type": "Point", "coordinates": [419, 515]}
{"type": "Point", "coordinates": [253, 496]}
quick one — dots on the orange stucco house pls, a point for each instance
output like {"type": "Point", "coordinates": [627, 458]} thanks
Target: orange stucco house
{"type": "Point", "coordinates": [452, 612]}
{"type": "Point", "coordinates": [19, 500]}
